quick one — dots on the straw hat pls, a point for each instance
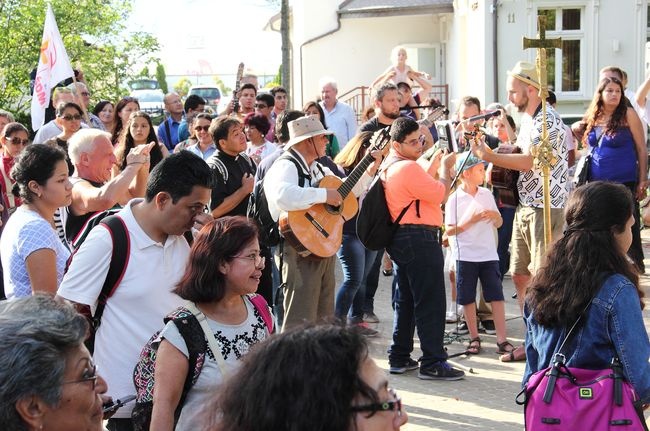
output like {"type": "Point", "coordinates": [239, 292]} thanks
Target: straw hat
{"type": "Point", "coordinates": [525, 72]}
{"type": "Point", "coordinates": [305, 128]}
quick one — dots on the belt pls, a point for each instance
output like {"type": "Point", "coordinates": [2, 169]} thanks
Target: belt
{"type": "Point", "coordinates": [420, 226]}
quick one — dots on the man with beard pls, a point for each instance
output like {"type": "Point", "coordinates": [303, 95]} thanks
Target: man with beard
{"type": "Point", "coordinates": [528, 231]}
{"type": "Point", "coordinates": [387, 107]}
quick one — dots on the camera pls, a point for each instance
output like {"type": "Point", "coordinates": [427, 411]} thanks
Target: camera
{"type": "Point", "coordinates": [447, 136]}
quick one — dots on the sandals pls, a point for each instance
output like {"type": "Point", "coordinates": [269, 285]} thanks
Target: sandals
{"type": "Point", "coordinates": [505, 347]}
{"type": "Point", "coordinates": [474, 347]}
{"type": "Point", "coordinates": [516, 355]}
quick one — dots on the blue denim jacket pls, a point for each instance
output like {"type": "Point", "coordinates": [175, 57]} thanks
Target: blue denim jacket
{"type": "Point", "coordinates": [613, 326]}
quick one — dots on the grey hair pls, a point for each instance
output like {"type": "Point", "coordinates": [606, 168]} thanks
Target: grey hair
{"type": "Point", "coordinates": [77, 86]}
{"type": "Point", "coordinates": [328, 80]}
{"type": "Point", "coordinates": [83, 141]}
{"type": "Point", "coordinates": [36, 335]}
{"type": "Point", "coordinates": [381, 91]}
{"type": "Point", "coordinates": [8, 115]}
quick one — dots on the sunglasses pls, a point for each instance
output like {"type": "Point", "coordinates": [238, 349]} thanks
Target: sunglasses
{"type": "Point", "coordinates": [199, 128]}
{"type": "Point", "coordinates": [18, 141]}
{"type": "Point", "coordinates": [75, 117]}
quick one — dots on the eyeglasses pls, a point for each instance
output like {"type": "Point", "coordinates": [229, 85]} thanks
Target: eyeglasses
{"type": "Point", "coordinates": [85, 94]}
{"type": "Point", "coordinates": [260, 106]}
{"type": "Point", "coordinates": [17, 141]}
{"type": "Point", "coordinates": [199, 128]}
{"type": "Point", "coordinates": [418, 141]}
{"type": "Point", "coordinates": [260, 261]}
{"type": "Point", "coordinates": [395, 405]}
{"type": "Point", "coordinates": [75, 117]}
{"type": "Point", "coordinates": [90, 375]}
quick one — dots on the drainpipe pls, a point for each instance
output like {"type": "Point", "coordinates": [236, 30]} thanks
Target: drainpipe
{"type": "Point", "coordinates": [495, 50]}
{"type": "Point", "coordinates": [338, 27]}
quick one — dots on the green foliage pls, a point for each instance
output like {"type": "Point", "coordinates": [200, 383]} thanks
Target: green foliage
{"type": "Point", "coordinates": [276, 79]}
{"type": "Point", "coordinates": [95, 38]}
{"type": "Point", "coordinates": [161, 77]}
{"type": "Point", "coordinates": [144, 73]}
{"type": "Point", "coordinates": [182, 87]}
{"type": "Point", "coordinates": [219, 83]}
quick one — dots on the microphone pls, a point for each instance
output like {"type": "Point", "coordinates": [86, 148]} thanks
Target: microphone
{"type": "Point", "coordinates": [480, 117]}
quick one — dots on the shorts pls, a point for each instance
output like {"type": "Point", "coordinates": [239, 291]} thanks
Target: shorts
{"type": "Point", "coordinates": [469, 273]}
{"type": "Point", "coordinates": [527, 245]}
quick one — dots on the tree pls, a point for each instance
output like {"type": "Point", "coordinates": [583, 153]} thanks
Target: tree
{"type": "Point", "coordinates": [144, 73]}
{"type": "Point", "coordinates": [182, 87]}
{"type": "Point", "coordinates": [94, 34]}
{"type": "Point", "coordinates": [161, 77]}
{"type": "Point", "coordinates": [219, 83]}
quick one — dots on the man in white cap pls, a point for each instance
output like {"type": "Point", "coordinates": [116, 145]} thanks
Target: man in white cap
{"type": "Point", "coordinates": [528, 230]}
{"type": "Point", "coordinates": [289, 185]}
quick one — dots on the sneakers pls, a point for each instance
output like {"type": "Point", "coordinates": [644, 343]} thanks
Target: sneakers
{"type": "Point", "coordinates": [462, 329]}
{"type": "Point", "coordinates": [488, 327]}
{"type": "Point", "coordinates": [370, 317]}
{"type": "Point", "coordinates": [365, 330]}
{"type": "Point", "coordinates": [440, 371]}
{"type": "Point", "coordinates": [401, 369]}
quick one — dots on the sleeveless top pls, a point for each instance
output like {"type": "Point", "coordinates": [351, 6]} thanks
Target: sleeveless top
{"type": "Point", "coordinates": [614, 158]}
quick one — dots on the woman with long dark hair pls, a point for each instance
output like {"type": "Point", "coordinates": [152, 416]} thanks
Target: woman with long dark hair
{"type": "Point", "coordinates": [614, 135]}
{"type": "Point", "coordinates": [587, 273]}
{"type": "Point", "coordinates": [139, 130]}
{"type": "Point", "coordinates": [123, 110]}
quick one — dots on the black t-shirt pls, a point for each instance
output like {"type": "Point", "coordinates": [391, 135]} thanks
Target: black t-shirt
{"type": "Point", "coordinates": [372, 125]}
{"type": "Point", "coordinates": [228, 172]}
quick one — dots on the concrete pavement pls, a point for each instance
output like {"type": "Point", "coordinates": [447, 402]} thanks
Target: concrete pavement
{"type": "Point", "coordinates": [484, 400]}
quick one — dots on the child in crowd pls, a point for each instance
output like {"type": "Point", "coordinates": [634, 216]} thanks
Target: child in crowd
{"type": "Point", "coordinates": [399, 71]}
{"type": "Point", "coordinates": [471, 216]}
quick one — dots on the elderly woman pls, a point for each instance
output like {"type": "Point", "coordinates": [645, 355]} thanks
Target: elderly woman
{"type": "Point", "coordinates": [32, 255]}
{"type": "Point", "coordinates": [320, 378]}
{"type": "Point", "coordinates": [256, 127]}
{"type": "Point", "coordinates": [49, 381]}
{"type": "Point", "coordinates": [224, 268]}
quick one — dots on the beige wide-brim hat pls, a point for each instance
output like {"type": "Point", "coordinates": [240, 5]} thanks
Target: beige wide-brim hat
{"type": "Point", "coordinates": [304, 128]}
{"type": "Point", "coordinates": [525, 72]}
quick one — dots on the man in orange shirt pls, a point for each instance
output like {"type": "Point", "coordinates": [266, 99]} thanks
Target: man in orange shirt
{"type": "Point", "coordinates": [420, 295]}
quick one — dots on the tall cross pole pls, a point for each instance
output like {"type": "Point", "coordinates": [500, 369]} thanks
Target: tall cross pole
{"type": "Point", "coordinates": [543, 152]}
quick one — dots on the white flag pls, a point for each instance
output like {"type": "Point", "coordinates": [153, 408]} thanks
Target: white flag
{"type": "Point", "coordinates": [53, 67]}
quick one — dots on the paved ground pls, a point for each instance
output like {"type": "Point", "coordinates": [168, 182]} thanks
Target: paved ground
{"type": "Point", "coordinates": [484, 400]}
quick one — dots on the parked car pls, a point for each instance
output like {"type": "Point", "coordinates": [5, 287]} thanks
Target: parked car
{"type": "Point", "coordinates": [151, 101]}
{"type": "Point", "coordinates": [211, 94]}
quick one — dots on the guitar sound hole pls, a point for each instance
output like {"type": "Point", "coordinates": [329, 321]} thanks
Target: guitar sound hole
{"type": "Point", "coordinates": [334, 209]}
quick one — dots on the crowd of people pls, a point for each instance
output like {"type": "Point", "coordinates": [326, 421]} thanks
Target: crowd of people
{"type": "Point", "coordinates": [143, 236]}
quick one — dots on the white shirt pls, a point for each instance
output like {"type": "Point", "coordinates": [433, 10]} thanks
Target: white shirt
{"type": "Point", "coordinates": [478, 243]}
{"type": "Point", "coordinates": [264, 150]}
{"type": "Point", "coordinates": [284, 194]}
{"type": "Point", "coordinates": [137, 308]}
{"type": "Point", "coordinates": [342, 121]}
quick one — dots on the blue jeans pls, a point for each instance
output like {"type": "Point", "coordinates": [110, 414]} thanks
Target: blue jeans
{"type": "Point", "coordinates": [356, 262]}
{"type": "Point", "coordinates": [505, 235]}
{"type": "Point", "coordinates": [420, 296]}
{"type": "Point", "coordinates": [372, 281]}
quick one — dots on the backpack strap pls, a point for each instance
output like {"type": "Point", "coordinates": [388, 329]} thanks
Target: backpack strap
{"type": "Point", "coordinates": [263, 307]}
{"type": "Point", "coordinates": [300, 166]}
{"type": "Point", "coordinates": [216, 164]}
{"type": "Point", "coordinates": [119, 261]}
{"type": "Point", "coordinates": [209, 336]}
{"type": "Point", "coordinates": [169, 133]}
{"type": "Point", "coordinates": [403, 212]}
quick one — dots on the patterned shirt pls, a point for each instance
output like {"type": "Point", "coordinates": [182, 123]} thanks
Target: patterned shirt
{"type": "Point", "coordinates": [26, 232]}
{"type": "Point", "coordinates": [531, 182]}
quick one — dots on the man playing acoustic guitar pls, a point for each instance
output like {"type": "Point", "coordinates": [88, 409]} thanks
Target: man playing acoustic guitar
{"type": "Point", "coordinates": [309, 294]}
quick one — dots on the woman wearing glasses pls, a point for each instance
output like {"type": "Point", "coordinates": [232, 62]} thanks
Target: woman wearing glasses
{"type": "Point", "coordinates": [318, 378]}
{"type": "Point", "coordinates": [68, 118]}
{"type": "Point", "coordinates": [49, 381]}
{"type": "Point", "coordinates": [224, 268]}
{"type": "Point", "coordinates": [32, 255]}
{"type": "Point", "coordinates": [14, 138]}
{"type": "Point", "coordinates": [204, 145]}
{"type": "Point", "coordinates": [614, 136]}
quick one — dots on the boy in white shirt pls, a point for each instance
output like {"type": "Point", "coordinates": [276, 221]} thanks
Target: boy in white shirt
{"type": "Point", "coordinates": [472, 216]}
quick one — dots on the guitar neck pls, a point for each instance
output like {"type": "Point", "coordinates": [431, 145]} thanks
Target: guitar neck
{"type": "Point", "coordinates": [434, 116]}
{"type": "Point", "coordinates": [235, 93]}
{"type": "Point", "coordinates": [355, 175]}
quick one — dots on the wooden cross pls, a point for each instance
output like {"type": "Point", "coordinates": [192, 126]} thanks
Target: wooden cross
{"type": "Point", "coordinates": [543, 152]}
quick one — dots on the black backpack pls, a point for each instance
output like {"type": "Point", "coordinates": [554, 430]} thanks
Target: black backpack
{"type": "Point", "coordinates": [258, 207]}
{"type": "Point", "coordinates": [375, 228]}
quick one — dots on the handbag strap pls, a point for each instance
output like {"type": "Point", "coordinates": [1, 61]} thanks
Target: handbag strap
{"type": "Point", "coordinates": [209, 336]}
{"type": "Point", "coordinates": [570, 333]}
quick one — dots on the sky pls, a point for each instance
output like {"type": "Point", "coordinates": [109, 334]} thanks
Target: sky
{"type": "Point", "coordinates": [204, 37]}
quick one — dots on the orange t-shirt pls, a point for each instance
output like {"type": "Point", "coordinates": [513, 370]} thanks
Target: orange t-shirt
{"type": "Point", "coordinates": [405, 181]}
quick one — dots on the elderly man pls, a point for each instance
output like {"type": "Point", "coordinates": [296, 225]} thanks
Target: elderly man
{"type": "Point", "coordinates": [82, 98]}
{"type": "Point", "coordinates": [168, 129]}
{"type": "Point", "coordinates": [339, 117]}
{"type": "Point", "coordinates": [93, 190]}
{"type": "Point", "coordinates": [289, 185]}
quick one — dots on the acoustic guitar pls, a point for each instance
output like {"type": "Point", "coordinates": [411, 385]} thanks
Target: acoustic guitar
{"type": "Point", "coordinates": [505, 180]}
{"type": "Point", "coordinates": [318, 230]}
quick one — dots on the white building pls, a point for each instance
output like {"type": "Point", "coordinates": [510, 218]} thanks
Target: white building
{"type": "Point", "coordinates": [467, 44]}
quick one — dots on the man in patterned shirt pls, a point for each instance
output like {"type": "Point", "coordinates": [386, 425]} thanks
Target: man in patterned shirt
{"type": "Point", "coordinates": [528, 230]}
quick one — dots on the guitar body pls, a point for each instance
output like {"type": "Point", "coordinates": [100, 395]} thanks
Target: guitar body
{"type": "Point", "coordinates": [505, 180]}
{"type": "Point", "coordinates": [318, 230]}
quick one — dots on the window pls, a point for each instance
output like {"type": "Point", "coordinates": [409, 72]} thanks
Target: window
{"type": "Point", "coordinates": [563, 66]}
{"type": "Point", "coordinates": [648, 24]}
